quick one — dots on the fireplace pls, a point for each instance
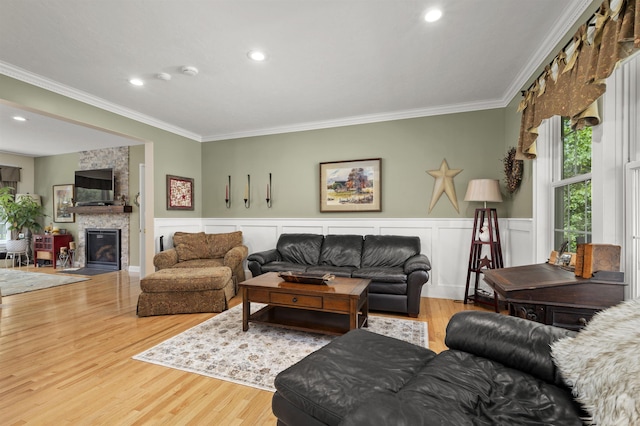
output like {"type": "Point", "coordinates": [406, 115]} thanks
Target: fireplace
{"type": "Point", "coordinates": [102, 248]}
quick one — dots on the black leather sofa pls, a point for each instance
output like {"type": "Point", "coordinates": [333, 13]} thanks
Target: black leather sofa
{"type": "Point", "coordinates": [393, 263]}
{"type": "Point", "coordinates": [498, 370]}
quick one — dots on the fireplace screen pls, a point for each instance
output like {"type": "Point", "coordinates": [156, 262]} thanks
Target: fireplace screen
{"type": "Point", "coordinates": [103, 248]}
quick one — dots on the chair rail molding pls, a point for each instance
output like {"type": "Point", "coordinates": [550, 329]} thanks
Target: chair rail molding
{"type": "Point", "coordinates": [444, 241]}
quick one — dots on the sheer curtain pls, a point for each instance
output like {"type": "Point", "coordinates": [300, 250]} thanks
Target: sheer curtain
{"type": "Point", "coordinates": [571, 85]}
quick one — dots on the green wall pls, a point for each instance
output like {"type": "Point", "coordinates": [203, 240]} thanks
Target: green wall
{"type": "Point", "coordinates": [173, 154]}
{"type": "Point", "coordinates": [55, 170]}
{"type": "Point", "coordinates": [136, 157]}
{"type": "Point", "coordinates": [520, 203]}
{"type": "Point", "coordinates": [472, 141]}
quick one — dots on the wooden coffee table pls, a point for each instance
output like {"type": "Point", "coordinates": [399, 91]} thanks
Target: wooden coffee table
{"type": "Point", "coordinates": [334, 308]}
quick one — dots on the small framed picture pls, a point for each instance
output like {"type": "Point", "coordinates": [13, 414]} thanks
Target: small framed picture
{"type": "Point", "coordinates": [63, 199]}
{"type": "Point", "coordinates": [179, 193]}
{"type": "Point", "coordinates": [351, 186]}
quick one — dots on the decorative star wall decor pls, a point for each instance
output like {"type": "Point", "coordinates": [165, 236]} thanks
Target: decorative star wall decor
{"type": "Point", "coordinates": [444, 184]}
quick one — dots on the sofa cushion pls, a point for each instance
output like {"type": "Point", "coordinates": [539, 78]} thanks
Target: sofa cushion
{"type": "Point", "coordinates": [341, 250]}
{"type": "Point", "coordinates": [349, 371]}
{"type": "Point", "coordinates": [458, 388]}
{"type": "Point", "coordinates": [338, 271]}
{"type": "Point", "coordinates": [199, 263]}
{"type": "Point", "coordinates": [190, 245]}
{"type": "Point", "coordinates": [390, 275]}
{"type": "Point", "coordinates": [303, 249]}
{"type": "Point", "coordinates": [197, 279]}
{"type": "Point", "coordinates": [388, 288]}
{"type": "Point", "coordinates": [220, 244]}
{"type": "Point", "coordinates": [388, 250]}
{"type": "Point", "coordinates": [283, 267]}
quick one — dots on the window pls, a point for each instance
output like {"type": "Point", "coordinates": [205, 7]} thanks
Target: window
{"type": "Point", "coordinates": [4, 232]}
{"type": "Point", "coordinates": [607, 216]}
{"type": "Point", "coordinates": [572, 187]}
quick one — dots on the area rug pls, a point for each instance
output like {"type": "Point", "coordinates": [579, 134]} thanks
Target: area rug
{"type": "Point", "coordinates": [219, 348]}
{"type": "Point", "coordinates": [15, 281]}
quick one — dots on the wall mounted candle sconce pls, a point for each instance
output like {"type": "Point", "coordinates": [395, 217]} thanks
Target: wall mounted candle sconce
{"type": "Point", "coordinates": [227, 191]}
{"type": "Point", "coordinates": [269, 192]}
{"type": "Point", "coordinates": [247, 192]}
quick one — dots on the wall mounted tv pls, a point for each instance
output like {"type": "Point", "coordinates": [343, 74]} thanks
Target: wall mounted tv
{"type": "Point", "coordinates": [94, 187]}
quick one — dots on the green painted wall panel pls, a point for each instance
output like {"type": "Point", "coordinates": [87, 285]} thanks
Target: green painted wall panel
{"type": "Point", "coordinates": [55, 170]}
{"type": "Point", "coordinates": [473, 142]}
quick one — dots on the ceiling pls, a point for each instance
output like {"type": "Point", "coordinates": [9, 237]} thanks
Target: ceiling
{"type": "Point", "coordinates": [329, 62]}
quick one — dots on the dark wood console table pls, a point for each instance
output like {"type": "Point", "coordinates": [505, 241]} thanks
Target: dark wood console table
{"type": "Point", "coordinates": [552, 295]}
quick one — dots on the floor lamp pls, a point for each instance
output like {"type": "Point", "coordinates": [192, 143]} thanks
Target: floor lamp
{"type": "Point", "coordinates": [485, 233]}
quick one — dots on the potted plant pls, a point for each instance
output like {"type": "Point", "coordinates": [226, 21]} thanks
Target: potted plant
{"type": "Point", "coordinates": [19, 215]}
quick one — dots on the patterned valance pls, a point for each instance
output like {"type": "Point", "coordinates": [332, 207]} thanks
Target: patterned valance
{"type": "Point", "coordinates": [571, 85]}
{"type": "Point", "coordinates": [9, 174]}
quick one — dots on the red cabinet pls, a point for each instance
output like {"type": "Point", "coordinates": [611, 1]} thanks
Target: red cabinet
{"type": "Point", "coordinates": [47, 246]}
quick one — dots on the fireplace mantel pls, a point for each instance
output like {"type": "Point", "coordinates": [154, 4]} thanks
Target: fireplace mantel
{"type": "Point", "coordinates": [101, 209]}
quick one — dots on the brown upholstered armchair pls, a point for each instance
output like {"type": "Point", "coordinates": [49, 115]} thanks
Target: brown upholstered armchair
{"type": "Point", "coordinates": [200, 250]}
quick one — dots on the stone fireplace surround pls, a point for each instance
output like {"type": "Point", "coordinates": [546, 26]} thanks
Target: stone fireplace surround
{"type": "Point", "coordinates": [118, 159]}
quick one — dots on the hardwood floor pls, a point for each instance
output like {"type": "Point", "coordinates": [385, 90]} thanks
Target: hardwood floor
{"type": "Point", "coordinates": [65, 358]}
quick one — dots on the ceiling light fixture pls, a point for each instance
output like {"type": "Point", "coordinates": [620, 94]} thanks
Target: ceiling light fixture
{"type": "Point", "coordinates": [19, 118]}
{"type": "Point", "coordinates": [433, 15]}
{"type": "Point", "coordinates": [136, 82]}
{"type": "Point", "coordinates": [257, 55]}
{"type": "Point", "coordinates": [188, 70]}
{"type": "Point", "coordinates": [163, 76]}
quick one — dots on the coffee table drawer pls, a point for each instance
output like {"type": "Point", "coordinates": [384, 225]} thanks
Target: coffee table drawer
{"type": "Point", "coordinates": [257, 295]}
{"type": "Point", "coordinates": [296, 300]}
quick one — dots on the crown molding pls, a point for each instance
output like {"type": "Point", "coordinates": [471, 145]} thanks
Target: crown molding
{"type": "Point", "coordinates": [564, 24]}
{"type": "Point", "coordinates": [78, 95]}
{"type": "Point", "coordinates": [360, 119]}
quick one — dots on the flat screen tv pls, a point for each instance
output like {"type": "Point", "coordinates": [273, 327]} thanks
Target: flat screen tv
{"type": "Point", "coordinates": [94, 187]}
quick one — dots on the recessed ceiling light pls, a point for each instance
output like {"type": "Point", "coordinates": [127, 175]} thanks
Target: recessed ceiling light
{"type": "Point", "coordinates": [163, 76]}
{"type": "Point", "coordinates": [136, 82]}
{"type": "Point", "coordinates": [257, 55]}
{"type": "Point", "coordinates": [19, 118]}
{"type": "Point", "coordinates": [433, 15]}
{"type": "Point", "coordinates": [189, 70]}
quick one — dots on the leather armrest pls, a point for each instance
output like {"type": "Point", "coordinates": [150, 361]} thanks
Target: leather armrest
{"type": "Point", "coordinates": [515, 342]}
{"type": "Point", "coordinates": [165, 259]}
{"type": "Point", "coordinates": [415, 281]}
{"type": "Point", "coordinates": [266, 256]}
{"type": "Point", "coordinates": [417, 263]}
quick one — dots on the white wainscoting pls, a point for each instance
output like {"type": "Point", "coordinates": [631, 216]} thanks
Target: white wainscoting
{"type": "Point", "coordinates": [445, 241]}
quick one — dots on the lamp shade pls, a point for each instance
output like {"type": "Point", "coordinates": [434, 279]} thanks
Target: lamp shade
{"type": "Point", "coordinates": [34, 197]}
{"type": "Point", "coordinates": [483, 190]}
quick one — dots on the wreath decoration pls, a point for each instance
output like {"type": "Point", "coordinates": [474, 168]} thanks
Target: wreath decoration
{"type": "Point", "coordinates": [512, 170]}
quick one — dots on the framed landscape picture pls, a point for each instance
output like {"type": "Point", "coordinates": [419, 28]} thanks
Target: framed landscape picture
{"type": "Point", "coordinates": [179, 193]}
{"type": "Point", "coordinates": [351, 186]}
{"type": "Point", "coordinates": [62, 200]}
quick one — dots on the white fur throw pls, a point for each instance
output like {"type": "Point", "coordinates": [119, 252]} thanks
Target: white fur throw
{"type": "Point", "coordinates": [602, 365]}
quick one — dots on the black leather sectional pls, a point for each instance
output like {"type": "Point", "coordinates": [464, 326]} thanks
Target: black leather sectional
{"type": "Point", "coordinates": [498, 370]}
{"type": "Point", "coordinates": [394, 264]}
